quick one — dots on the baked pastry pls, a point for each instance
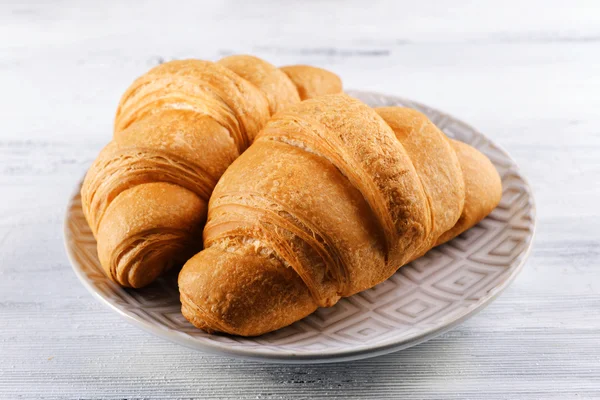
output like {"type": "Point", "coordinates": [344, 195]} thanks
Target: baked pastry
{"type": "Point", "coordinates": [331, 199]}
{"type": "Point", "coordinates": [177, 129]}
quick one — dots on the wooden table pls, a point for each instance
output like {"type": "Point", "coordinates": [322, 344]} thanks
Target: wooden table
{"type": "Point", "coordinates": [526, 73]}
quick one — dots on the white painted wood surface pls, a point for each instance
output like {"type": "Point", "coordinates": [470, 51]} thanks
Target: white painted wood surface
{"type": "Point", "coordinates": [526, 73]}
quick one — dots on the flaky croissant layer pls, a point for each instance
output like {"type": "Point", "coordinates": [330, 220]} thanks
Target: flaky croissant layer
{"type": "Point", "coordinates": [331, 199]}
{"type": "Point", "coordinates": [177, 129]}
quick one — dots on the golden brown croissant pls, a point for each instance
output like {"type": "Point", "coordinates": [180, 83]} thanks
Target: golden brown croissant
{"type": "Point", "coordinates": [177, 129]}
{"type": "Point", "coordinates": [331, 199]}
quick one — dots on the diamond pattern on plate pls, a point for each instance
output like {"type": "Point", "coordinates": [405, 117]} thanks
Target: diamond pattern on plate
{"type": "Point", "coordinates": [367, 328]}
{"type": "Point", "coordinates": [413, 308]}
{"type": "Point", "coordinates": [459, 281]}
{"type": "Point", "coordinates": [431, 293]}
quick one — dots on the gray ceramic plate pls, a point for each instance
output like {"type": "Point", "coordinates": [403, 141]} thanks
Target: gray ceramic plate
{"type": "Point", "coordinates": [422, 300]}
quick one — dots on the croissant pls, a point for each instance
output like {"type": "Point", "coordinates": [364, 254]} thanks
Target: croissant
{"type": "Point", "coordinates": [177, 129]}
{"type": "Point", "coordinates": [331, 199]}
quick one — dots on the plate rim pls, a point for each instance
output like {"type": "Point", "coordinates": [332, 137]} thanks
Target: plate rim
{"type": "Point", "coordinates": [318, 357]}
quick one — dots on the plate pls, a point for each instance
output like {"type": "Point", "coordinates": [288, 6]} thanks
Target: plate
{"type": "Point", "coordinates": [422, 300]}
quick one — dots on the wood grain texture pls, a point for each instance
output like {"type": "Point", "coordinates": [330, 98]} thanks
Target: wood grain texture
{"type": "Point", "coordinates": [527, 79]}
